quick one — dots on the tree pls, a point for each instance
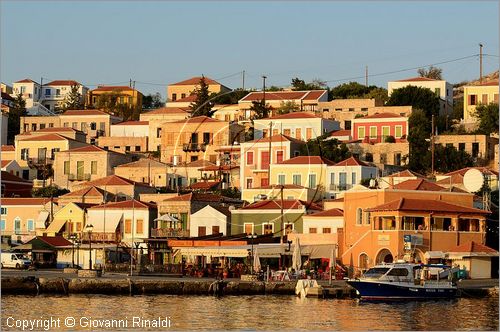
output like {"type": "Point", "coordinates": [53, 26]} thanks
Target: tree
{"type": "Point", "coordinates": [449, 159]}
{"type": "Point", "coordinates": [202, 105]}
{"type": "Point", "coordinates": [260, 110]}
{"type": "Point", "coordinates": [109, 102]}
{"type": "Point", "coordinates": [354, 90]}
{"type": "Point", "coordinates": [488, 118]}
{"type": "Point", "coordinates": [432, 72]}
{"type": "Point", "coordinates": [231, 97]}
{"type": "Point", "coordinates": [330, 149]}
{"type": "Point", "coordinates": [420, 130]}
{"type": "Point", "coordinates": [15, 113]}
{"type": "Point", "coordinates": [287, 107]}
{"type": "Point", "coordinates": [73, 100]}
{"type": "Point", "coordinates": [48, 191]}
{"type": "Point", "coordinates": [377, 93]}
{"type": "Point", "coordinates": [301, 85]}
{"type": "Point", "coordinates": [274, 88]}
{"type": "Point", "coordinates": [419, 98]}
{"type": "Point", "coordinates": [152, 101]}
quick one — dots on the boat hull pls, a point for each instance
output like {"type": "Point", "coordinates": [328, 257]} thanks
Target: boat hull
{"type": "Point", "coordinates": [376, 290]}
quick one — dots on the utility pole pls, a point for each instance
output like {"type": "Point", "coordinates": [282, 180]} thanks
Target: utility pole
{"type": "Point", "coordinates": [264, 90]}
{"type": "Point", "coordinates": [432, 145]}
{"type": "Point", "coordinates": [243, 81]}
{"type": "Point", "coordinates": [269, 161]}
{"type": "Point", "coordinates": [40, 92]}
{"type": "Point", "coordinates": [282, 222]}
{"type": "Point", "coordinates": [366, 75]}
{"type": "Point", "coordinates": [133, 103]}
{"type": "Point", "coordinates": [480, 63]}
{"type": "Point", "coordinates": [130, 83]}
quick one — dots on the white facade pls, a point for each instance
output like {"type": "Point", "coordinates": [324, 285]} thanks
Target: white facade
{"type": "Point", "coordinates": [30, 91]}
{"type": "Point", "coordinates": [54, 95]}
{"type": "Point", "coordinates": [130, 130]}
{"type": "Point", "coordinates": [108, 220]}
{"type": "Point", "coordinates": [319, 224]}
{"type": "Point", "coordinates": [208, 217]}
{"type": "Point", "coordinates": [303, 128]}
{"type": "Point", "coordinates": [341, 178]}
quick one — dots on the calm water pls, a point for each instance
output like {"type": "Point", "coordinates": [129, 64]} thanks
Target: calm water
{"type": "Point", "coordinates": [259, 312]}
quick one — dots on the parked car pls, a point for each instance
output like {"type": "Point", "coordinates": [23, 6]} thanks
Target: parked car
{"type": "Point", "coordinates": [16, 260]}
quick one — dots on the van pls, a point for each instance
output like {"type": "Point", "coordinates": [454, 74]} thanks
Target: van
{"type": "Point", "coordinates": [17, 260]}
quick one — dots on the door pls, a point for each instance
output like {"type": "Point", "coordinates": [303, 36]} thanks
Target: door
{"type": "Point", "coordinates": [342, 180]}
{"type": "Point", "coordinates": [17, 226]}
{"type": "Point", "coordinates": [79, 170]}
{"type": "Point", "coordinates": [42, 153]}
{"type": "Point", "coordinates": [264, 160]}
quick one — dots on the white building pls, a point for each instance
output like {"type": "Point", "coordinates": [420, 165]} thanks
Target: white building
{"type": "Point", "coordinates": [130, 129]}
{"type": "Point", "coordinates": [441, 88]}
{"type": "Point", "coordinates": [324, 222]}
{"type": "Point", "coordinates": [54, 93]}
{"type": "Point", "coordinates": [347, 173]}
{"type": "Point", "coordinates": [299, 125]}
{"type": "Point", "coordinates": [210, 221]}
{"type": "Point", "coordinates": [29, 89]}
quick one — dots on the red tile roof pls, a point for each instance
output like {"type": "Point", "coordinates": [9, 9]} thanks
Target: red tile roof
{"type": "Point", "coordinates": [6, 96]}
{"type": "Point", "coordinates": [8, 148]}
{"type": "Point", "coordinates": [54, 241]}
{"type": "Point", "coordinates": [314, 94]}
{"type": "Point", "coordinates": [84, 112]}
{"type": "Point", "coordinates": [473, 247]}
{"type": "Point", "coordinates": [405, 173]}
{"type": "Point", "coordinates": [24, 201]}
{"type": "Point", "coordinates": [196, 197]}
{"type": "Point", "coordinates": [484, 170]}
{"type": "Point", "coordinates": [296, 115]}
{"type": "Point", "coordinates": [307, 160]}
{"type": "Point", "coordinates": [6, 176]}
{"type": "Point", "coordinates": [132, 123]}
{"type": "Point", "coordinates": [113, 88]}
{"type": "Point", "coordinates": [381, 116]}
{"type": "Point", "coordinates": [190, 98]}
{"type": "Point", "coordinates": [219, 168]}
{"type": "Point", "coordinates": [351, 162]}
{"type": "Point", "coordinates": [196, 80]}
{"type": "Point", "coordinates": [26, 80]}
{"type": "Point", "coordinates": [88, 191]}
{"type": "Point", "coordinates": [130, 204]}
{"type": "Point", "coordinates": [48, 137]}
{"type": "Point", "coordinates": [294, 204]}
{"type": "Point", "coordinates": [170, 110]}
{"type": "Point", "coordinates": [417, 79]}
{"type": "Point", "coordinates": [88, 148]}
{"type": "Point", "coordinates": [418, 184]}
{"type": "Point", "coordinates": [344, 132]}
{"type": "Point", "coordinates": [284, 95]}
{"type": "Point", "coordinates": [407, 204]}
{"type": "Point", "coordinates": [63, 82]}
{"type": "Point", "coordinates": [113, 180]}
{"type": "Point", "coordinates": [492, 83]}
{"type": "Point", "coordinates": [329, 213]}
{"type": "Point", "coordinates": [5, 162]}
{"type": "Point", "coordinates": [277, 138]}
{"type": "Point", "coordinates": [144, 162]}
{"type": "Point", "coordinates": [53, 130]}
{"type": "Point", "coordinates": [204, 185]}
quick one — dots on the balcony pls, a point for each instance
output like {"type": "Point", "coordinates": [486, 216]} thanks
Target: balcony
{"type": "Point", "coordinates": [194, 147]}
{"type": "Point", "coordinates": [383, 139]}
{"type": "Point", "coordinates": [169, 232]}
{"type": "Point", "coordinates": [38, 162]}
{"type": "Point", "coordinates": [79, 177]}
{"type": "Point", "coordinates": [340, 187]}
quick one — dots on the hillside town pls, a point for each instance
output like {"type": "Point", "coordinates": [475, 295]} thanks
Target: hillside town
{"type": "Point", "coordinates": [219, 181]}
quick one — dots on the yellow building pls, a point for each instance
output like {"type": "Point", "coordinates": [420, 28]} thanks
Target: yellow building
{"type": "Point", "coordinates": [157, 117]}
{"type": "Point", "coordinates": [68, 220]}
{"type": "Point", "coordinates": [474, 95]}
{"type": "Point", "coordinates": [125, 94]}
{"type": "Point", "coordinates": [183, 89]}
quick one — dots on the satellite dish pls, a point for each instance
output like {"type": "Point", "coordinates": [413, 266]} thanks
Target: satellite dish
{"type": "Point", "coordinates": [473, 180]}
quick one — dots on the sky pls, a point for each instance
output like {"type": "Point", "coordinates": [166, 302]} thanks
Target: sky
{"type": "Point", "coordinates": [162, 42]}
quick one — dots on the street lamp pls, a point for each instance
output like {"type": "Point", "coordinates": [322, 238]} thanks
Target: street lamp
{"type": "Point", "coordinates": [72, 237]}
{"type": "Point", "coordinates": [251, 236]}
{"type": "Point", "coordinates": [89, 228]}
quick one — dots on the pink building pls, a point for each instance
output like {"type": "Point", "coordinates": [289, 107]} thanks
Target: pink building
{"type": "Point", "coordinates": [376, 128]}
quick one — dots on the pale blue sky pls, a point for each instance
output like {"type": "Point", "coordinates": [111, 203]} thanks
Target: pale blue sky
{"type": "Point", "coordinates": [165, 42]}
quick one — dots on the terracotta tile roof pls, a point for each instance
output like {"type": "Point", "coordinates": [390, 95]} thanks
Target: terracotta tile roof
{"type": "Point", "coordinates": [6, 176]}
{"type": "Point", "coordinates": [113, 88]}
{"type": "Point", "coordinates": [49, 137]}
{"type": "Point", "coordinates": [6, 96]}
{"type": "Point", "coordinates": [307, 160]}
{"type": "Point", "coordinates": [87, 148]}
{"type": "Point", "coordinates": [130, 204]}
{"type": "Point", "coordinates": [88, 191]}
{"type": "Point", "coordinates": [284, 95]}
{"type": "Point", "coordinates": [26, 80]}
{"type": "Point", "coordinates": [473, 247]}
{"type": "Point", "coordinates": [277, 138]}
{"type": "Point", "coordinates": [196, 80]}
{"type": "Point", "coordinates": [144, 162]}
{"type": "Point", "coordinates": [54, 241]}
{"type": "Point", "coordinates": [492, 83]}
{"type": "Point", "coordinates": [5, 162]}
{"type": "Point", "coordinates": [8, 148]}
{"type": "Point", "coordinates": [343, 132]}
{"type": "Point", "coordinates": [418, 184]}
{"type": "Point", "coordinates": [351, 162]}
{"type": "Point", "coordinates": [295, 115]}
{"type": "Point", "coordinates": [329, 213]}
{"type": "Point", "coordinates": [169, 110]}
{"type": "Point", "coordinates": [381, 116]}
{"type": "Point", "coordinates": [294, 204]}
{"type": "Point", "coordinates": [407, 204]}
{"type": "Point", "coordinates": [197, 119]}
{"type": "Point", "coordinates": [484, 170]}
{"type": "Point", "coordinates": [132, 123]}
{"type": "Point", "coordinates": [190, 98]}
{"type": "Point", "coordinates": [406, 173]}
{"type": "Point", "coordinates": [84, 205]}
{"type": "Point", "coordinates": [196, 197]}
{"type": "Point", "coordinates": [200, 163]}
{"type": "Point", "coordinates": [24, 201]}
{"type": "Point", "coordinates": [219, 168]}
{"type": "Point", "coordinates": [113, 180]}
{"type": "Point", "coordinates": [53, 130]}
{"type": "Point", "coordinates": [205, 185]}
{"type": "Point", "coordinates": [417, 79]}
{"type": "Point", "coordinates": [84, 112]}
{"type": "Point", "coordinates": [63, 82]}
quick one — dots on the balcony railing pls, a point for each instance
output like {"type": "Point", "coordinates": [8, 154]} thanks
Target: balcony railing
{"type": "Point", "coordinates": [340, 187]}
{"type": "Point", "coordinates": [382, 139]}
{"type": "Point", "coordinates": [79, 177]}
{"type": "Point", "coordinates": [194, 147]}
{"type": "Point", "coordinates": [33, 162]}
{"type": "Point", "coordinates": [169, 232]}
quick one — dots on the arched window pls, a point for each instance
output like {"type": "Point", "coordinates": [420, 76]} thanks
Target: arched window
{"type": "Point", "coordinates": [363, 261]}
{"type": "Point", "coordinates": [359, 216]}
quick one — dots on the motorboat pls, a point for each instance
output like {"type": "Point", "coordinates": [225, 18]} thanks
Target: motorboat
{"type": "Point", "coordinates": [405, 281]}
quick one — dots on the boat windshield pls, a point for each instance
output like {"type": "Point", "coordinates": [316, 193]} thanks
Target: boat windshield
{"type": "Point", "coordinates": [376, 272]}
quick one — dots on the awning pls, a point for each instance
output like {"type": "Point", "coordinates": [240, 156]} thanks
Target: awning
{"type": "Point", "coordinates": [41, 219]}
{"type": "Point", "coordinates": [111, 222]}
{"type": "Point", "coordinates": [26, 246]}
{"type": "Point", "coordinates": [232, 251]}
{"type": "Point", "coordinates": [434, 254]}
{"type": "Point", "coordinates": [167, 217]}
{"type": "Point", "coordinates": [55, 226]}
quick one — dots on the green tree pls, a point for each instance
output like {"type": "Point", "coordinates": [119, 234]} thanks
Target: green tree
{"type": "Point", "coordinates": [73, 100]}
{"type": "Point", "coordinates": [202, 105]}
{"type": "Point", "coordinates": [287, 107]}
{"type": "Point", "coordinates": [351, 90]}
{"type": "Point", "coordinates": [15, 113]}
{"type": "Point", "coordinates": [420, 130]}
{"type": "Point", "coordinates": [301, 85]}
{"type": "Point", "coordinates": [330, 149]}
{"type": "Point", "coordinates": [419, 98]}
{"type": "Point", "coordinates": [260, 110]}
{"type": "Point", "coordinates": [377, 93]}
{"type": "Point", "coordinates": [152, 101]}
{"type": "Point", "coordinates": [458, 109]}
{"type": "Point", "coordinates": [110, 103]}
{"type": "Point", "coordinates": [231, 97]}
{"type": "Point", "coordinates": [449, 159]}
{"type": "Point", "coordinates": [274, 88]}
{"type": "Point", "coordinates": [488, 118]}
{"type": "Point", "coordinates": [48, 191]}
{"type": "Point", "coordinates": [433, 72]}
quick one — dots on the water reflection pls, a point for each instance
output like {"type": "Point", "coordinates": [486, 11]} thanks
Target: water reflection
{"type": "Point", "coordinates": [263, 312]}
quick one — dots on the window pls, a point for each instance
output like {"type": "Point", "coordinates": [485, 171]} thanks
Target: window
{"type": "Point", "coordinates": [79, 170]}
{"type": "Point", "coordinates": [279, 156]}
{"type": "Point", "coordinates": [158, 132]}
{"type": "Point", "coordinates": [249, 183]}
{"type": "Point", "coordinates": [461, 146]}
{"type": "Point", "coordinates": [4, 211]}
{"type": "Point", "coordinates": [128, 225]}
{"type": "Point", "coordinates": [475, 150]}
{"type": "Point", "coordinates": [127, 148]}
{"type": "Point", "coordinates": [342, 181]}
{"type": "Point", "coordinates": [31, 225]}
{"type": "Point", "coordinates": [373, 132]}
{"type": "Point", "coordinates": [367, 217]}
{"type": "Point", "coordinates": [66, 167]}
{"type": "Point", "coordinates": [140, 226]}
{"type": "Point", "coordinates": [485, 99]}
{"type": "Point", "coordinates": [42, 125]}
{"type": "Point", "coordinates": [93, 126]}
{"type": "Point", "coordinates": [24, 154]}
{"type": "Point", "coordinates": [17, 225]}
{"type": "Point", "coordinates": [437, 91]}
{"type": "Point", "coordinates": [353, 178]}
{"type": "Point", "coordinates": [33, 127]}
{"type": "Point", "coordinates": [275, 132]}
{"type": "Point", "coordinates": [385, 132]}
{"type": "Point", "coordinates": [102, 126]}
{"type": "Point", "coordinates": [359, 216]}
{"type": "Point", "coordinates": [383, 158]}
{"type": "Point", "coordinates": [51, 125]}
{"type": "Point", "coordinates": [250, 158]}
{"type": "Point", "coordinates": [183, 95]}
{"type": "Point", "coordinates": [215, 230]}
{"type": "Point", "coordinates": [74, 125]}
{"type": "Point", "coordinates": [202, 230]}
{"type": "Point", "coordinates": [281, 179]}
{"type": "Point", "coordinates": [297, 179]}
{"type": "Point", "coordinates": [312, 180]}
{"type": "Point", "coordinates": [327, 230]}
{"type": "Point", "coordinates": [398, 131]}
{"type": "Point", "coordinates": [397, 158]}
{"type": "Point", "coordinates": [351, 109]}
{"type": "Point", "coordinates": [338, 110]}
{"type": "Point", "coordinates": [264, 182]}
{"type": "Point", "coordinates": [298, 133]}
{"type": "Point", "coordinates": [288, 228]}
{"type": "Point", "coordinates": [93, 167]}
{"type": "Point", "coordinates": [47, 92]}
{"type": "Point", "coordinates": [364, 109]}
{"type": "Point", "coordinates": [495, 98]}
{"type": "Point", "coordinates": [174, 96]}
{"type": "Point", "coordinates": [264, 159]}
{"type": "Point", "coordinates": [361, 132]}
{"type": "Point", "coordinates": [332, 178]}
{"type": "Point", "coordinates": [313, 230]}
{"type": "Point", "coordinates": [308, 133]}
{"type": "Point", "coordinates": [369, 157]}
{"type": "Point", "coordinates": [66, 125]}
{"type": "Point", "coordinates": [137, 148]}
{"type": "Point", "coordinates": [2, 224]}
{"type": "Point", "coordinates": [206, 138]}
{"type": "Point", "coordinates": [83, 126]}
{"type": "Point", "coordinates": [287, 132]}
{"type": "Point", "coordinates": [267, 229]}
{"type": "Point", "coordinates": [347, 124]}
{"type": "Point", "coordinates": [472, 99]}
{"type": "Point", "coordinates": [53, 153]}
{"type": "Point", "coordinates": [58, 92]}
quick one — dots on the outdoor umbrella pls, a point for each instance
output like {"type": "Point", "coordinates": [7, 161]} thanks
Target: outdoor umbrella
{"type": "Point", "coordinates": [297, 256]}
{"type": "Point", "coordinates": [256, 261]}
